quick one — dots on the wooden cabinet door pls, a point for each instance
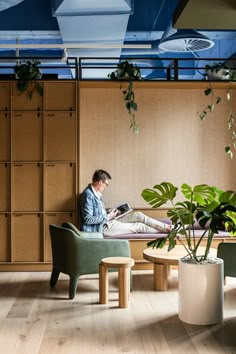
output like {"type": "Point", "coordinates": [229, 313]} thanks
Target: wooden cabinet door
{"type": "Point", "coordinates": [27, 237]}
{"type": "Point", "coordinates": [5, 136]}
{"type": "Point", "coordinates": [27, 136]}
{"type": "Point", "coordinates": [60, 187]}
{"type": "Point", "coordinates": [21, 100]}
{"type": "Point", "coordinates": [5, 187]}
{"type": "Point", "coordinates": [27, 187]}
{"type": "Point", "coordinates": [5, 97]}
{"type": "Point", "coordinates": [60, 136]}
{"type": "Point", "coordinates": [5, 238]}
{"type": "Point", "coordinates": [60, 96]}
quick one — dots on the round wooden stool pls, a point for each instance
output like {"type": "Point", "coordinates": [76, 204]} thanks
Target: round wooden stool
{"type": "Point", "coordinates": [123, 264]}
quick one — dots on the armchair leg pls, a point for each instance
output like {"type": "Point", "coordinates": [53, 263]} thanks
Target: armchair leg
{"type": "Point", "coordinates": [54, 277]}
{"type": "Point", "coordinates": [73, 286]}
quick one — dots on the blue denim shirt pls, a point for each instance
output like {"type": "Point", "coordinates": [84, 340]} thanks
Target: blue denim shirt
{"type": "Point", "coordinates": [91, 213]}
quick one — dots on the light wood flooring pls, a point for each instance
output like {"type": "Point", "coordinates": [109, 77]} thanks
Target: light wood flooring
{"type": "Point", "coordinates": [35, 319]}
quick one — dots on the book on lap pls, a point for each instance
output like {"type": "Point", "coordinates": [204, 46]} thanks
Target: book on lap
{"type": "Point", "coordinates": [123, 210]}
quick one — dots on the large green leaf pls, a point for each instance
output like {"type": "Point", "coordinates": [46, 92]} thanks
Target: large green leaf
{"type": "Point", "coordinates": [158, 243]}
{"type": "Point", "coordinates": [228, 197]}
{"type": "Point", "coordinates": [161, 194]}
{"type": "Point", "coordinates": [201, 193]}
{"type": "Point", "coordinates": [182, 213]}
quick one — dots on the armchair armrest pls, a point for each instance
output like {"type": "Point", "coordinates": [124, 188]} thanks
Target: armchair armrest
{"type": "Point", "coordinates": [93, 250]}
{"type": "Point", "coordinates": [83, 234]}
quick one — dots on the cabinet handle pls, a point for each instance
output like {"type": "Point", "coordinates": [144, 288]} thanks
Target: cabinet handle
{"type": "Point", "coordinates": [51, 115]}
{"type": "Point", "coordinates": [18, 115]}
{"type": "Point", "coordinates": [50, 165]}
{"type": "Point", "coordinates": [18, 165]}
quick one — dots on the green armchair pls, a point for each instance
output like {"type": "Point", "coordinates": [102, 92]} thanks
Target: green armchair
{"type": "Point", "coordinates": [227, 252]}
{"type": "Point", "coordinates": [75, 254]}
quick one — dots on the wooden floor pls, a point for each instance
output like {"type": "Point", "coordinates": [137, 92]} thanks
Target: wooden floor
{"type": "Point", "coordinates": [35, 319]}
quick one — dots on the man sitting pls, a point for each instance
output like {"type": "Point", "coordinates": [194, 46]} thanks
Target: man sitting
{"type": "Point", "coordinates": [94, 217]}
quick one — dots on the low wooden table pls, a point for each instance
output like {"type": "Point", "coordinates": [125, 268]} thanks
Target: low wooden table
{"type": "Point", "coordinates": [162, 259]}
{"type": "Point", "coordinates": [123, 264]}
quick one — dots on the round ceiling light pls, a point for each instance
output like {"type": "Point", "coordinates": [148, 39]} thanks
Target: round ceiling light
{"type": "Point", "coordinates": [185, 41]}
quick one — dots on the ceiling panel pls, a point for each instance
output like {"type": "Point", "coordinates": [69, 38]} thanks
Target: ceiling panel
{"type": "Point", "coordinates": [205, 14]}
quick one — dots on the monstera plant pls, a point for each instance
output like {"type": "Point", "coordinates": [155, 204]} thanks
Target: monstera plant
{"type": "Point", "coordinates": [209, 207]}
{"type": "Point", "coordinates": [129, 72]}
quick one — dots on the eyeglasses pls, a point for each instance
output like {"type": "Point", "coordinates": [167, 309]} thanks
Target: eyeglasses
{"type": "Point", "coordinates": [106, 184]}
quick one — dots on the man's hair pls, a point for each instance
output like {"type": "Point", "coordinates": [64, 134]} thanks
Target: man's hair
{"type": "Point", "coordinates": [100, 175]}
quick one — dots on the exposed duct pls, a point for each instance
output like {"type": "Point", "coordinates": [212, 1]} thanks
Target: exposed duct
{"type": "Point", "coordinates": [5, 4]}
{"type": "Point", "coordinates": [92, 21]}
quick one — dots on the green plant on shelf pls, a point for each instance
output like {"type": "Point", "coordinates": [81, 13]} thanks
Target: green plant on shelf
{"type": "Point", "coordinates": [128, 72]}
{"type": "Point", "coordinates": [228, 75]}
{"type": "Point", "coordinates": [27, 72]}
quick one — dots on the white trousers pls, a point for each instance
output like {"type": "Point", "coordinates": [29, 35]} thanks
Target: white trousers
{"type": "Point", "coordinates": [135, 222]}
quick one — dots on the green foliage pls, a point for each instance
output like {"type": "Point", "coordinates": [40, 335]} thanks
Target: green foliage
{"type": "Point", "coordinates": [211, 207]}
{"type": "Point", "coordinates": [126, 71]}
{"type": "Point", "coordinates": [129, 72]}
{"type": "Point", "coordinates": [229, 75]}
{"type": "Point", "coordinates": [26, 72]}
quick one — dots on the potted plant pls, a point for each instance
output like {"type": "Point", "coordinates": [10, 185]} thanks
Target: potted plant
{"type": "Point", "coordinates": [221, 72]}
{"type": "Point", "coordinates": [26, 73]}
{"type": "Point", "coordinates": [218, 71]}
{"type": "Point", "coordinates": [129, 72]}
{"type": "Point", "coordinates": [211, 210]}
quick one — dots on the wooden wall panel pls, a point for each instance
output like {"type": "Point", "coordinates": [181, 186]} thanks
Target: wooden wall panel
{"type": "Point", "coordinates": [172, 145]}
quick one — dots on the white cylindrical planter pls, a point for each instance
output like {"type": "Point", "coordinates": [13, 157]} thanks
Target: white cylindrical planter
{"type": "Point", "coordinates": [201, 294]}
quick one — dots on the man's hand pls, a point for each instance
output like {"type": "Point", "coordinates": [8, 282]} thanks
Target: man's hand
{"type": "Point", "coordinates": [112, 214]}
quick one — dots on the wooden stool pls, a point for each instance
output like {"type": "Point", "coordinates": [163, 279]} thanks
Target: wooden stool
{"type": "Point", "coordinates": [123, 264]}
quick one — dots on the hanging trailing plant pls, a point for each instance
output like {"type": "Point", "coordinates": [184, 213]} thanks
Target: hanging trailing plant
{"type": "Point", "coordinates": [26, 73]}
{"type": "Point", "coordinates": [226, 74]}
{"type": "Point", "coordinates": [129, 72]}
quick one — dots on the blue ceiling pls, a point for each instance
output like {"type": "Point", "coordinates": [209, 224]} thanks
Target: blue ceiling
{"type": "Point", "coordinates": [37, 22]}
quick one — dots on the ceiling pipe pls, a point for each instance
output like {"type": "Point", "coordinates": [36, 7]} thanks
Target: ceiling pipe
{"type": "Point", "coordinates": [74, 46]}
